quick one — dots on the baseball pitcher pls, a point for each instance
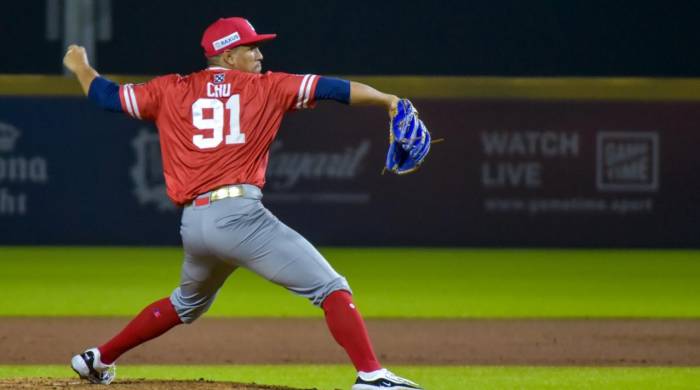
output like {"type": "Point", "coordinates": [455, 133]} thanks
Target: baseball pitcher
{"type": "Point", "coordinates": [216, 127]}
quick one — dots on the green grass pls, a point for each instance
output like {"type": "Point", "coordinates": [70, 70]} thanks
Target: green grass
{"type": "Point", "coordinates": [60, 281]}
{"type": "Point", "coordinates": [435, 378]}
{"type": "Point", "coordinates": [388, 283]}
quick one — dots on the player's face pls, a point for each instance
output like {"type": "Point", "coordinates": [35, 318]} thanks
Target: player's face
{"type": "Point", "coordinates": [247, 59]}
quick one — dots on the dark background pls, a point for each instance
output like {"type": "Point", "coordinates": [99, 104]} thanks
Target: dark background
{"type": "Point", "coordinates": [507, 37]}
{"type": "Point", "coordinates": [441, 204]}
{"type": "Point", "coordinates": [90, 197]}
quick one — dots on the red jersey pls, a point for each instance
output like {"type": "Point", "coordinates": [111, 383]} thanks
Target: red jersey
{"type": "Point", "coordinates": [216, 126]}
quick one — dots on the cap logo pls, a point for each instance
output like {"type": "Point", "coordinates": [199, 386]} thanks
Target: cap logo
{"type": "Point", "coordinates": [227, 40]}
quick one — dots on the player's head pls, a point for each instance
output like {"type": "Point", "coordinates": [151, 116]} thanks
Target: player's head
{"type": "Point", "coordinates": [233, 43]}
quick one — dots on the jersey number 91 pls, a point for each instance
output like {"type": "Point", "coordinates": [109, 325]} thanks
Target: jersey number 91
{"type": "Point", "coordinates": [216, 122]}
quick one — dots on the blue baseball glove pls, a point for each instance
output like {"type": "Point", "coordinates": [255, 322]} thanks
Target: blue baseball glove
{"type": "Point", "coordinates": [409, 140]}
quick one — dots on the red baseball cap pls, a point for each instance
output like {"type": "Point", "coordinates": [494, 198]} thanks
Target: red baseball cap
{"type": "Point", "coordinates": [227, 33]}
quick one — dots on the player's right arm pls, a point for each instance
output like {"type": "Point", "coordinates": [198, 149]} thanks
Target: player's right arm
{"type": "Point", "coordinates": [76, 61]}
{"type": "Point", "coordinates": [139, 101]}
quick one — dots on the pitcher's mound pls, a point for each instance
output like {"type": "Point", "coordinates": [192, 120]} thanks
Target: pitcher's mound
{"type": "Point", "coordinates": [58, 384]}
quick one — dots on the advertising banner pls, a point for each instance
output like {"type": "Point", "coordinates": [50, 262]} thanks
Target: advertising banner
{"type": "Point", "coordinates": [509, 173]}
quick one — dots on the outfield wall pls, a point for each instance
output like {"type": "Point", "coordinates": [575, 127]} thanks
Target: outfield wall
{"type": "Point", "coordinates": [526, 162]}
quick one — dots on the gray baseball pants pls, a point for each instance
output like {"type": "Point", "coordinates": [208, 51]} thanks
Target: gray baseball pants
{"type": "Point", "coordinates": [240, 232]}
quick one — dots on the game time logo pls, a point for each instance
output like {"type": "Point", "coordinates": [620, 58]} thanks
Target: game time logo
{"type": "Point", "coordinates": [627, 161]}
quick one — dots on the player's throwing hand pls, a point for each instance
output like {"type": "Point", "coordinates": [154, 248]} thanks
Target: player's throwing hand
{"type": "Point", "coordinates": [75, 58]}
{"type": "Point", "coordinates": [77, 62]}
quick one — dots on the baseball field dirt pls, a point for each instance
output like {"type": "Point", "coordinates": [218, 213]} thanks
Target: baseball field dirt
{"type": "Point", "coordinates": [46, 383]}
{"type": "Point", "coordinates": [546, 342]}
{"type": "Point", "coordinates": [565, 342]}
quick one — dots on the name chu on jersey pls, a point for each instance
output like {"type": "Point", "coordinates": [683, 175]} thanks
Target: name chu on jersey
{"type": "Point", "coordinates": [218, 89]}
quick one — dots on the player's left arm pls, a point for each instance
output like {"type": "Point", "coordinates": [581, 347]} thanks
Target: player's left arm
{"type": "Point", "coordinates": [409, 138]}
{"type": "Point", "coordinates": [295, 92]}
{"type": "Point", "coordinates": [353, 93]}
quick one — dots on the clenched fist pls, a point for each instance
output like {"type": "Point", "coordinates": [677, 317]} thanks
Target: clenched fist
{"type": "Point", "coordinates": [75, 58]}
{"type": "Point", "coordinates": [76, 61]}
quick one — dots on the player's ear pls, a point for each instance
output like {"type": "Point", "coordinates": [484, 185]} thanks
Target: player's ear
{"type": "Point", "coordinates": [229, 58]}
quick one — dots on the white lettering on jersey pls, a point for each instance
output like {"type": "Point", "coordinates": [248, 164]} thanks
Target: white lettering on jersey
{"type": "Point", "coordinates": [218, 90]}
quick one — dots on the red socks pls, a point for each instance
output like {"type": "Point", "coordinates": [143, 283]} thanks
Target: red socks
{"type": "Point", "coordinates": [348, 329]}
{"type": "Point", "coordinates": [153, 321]}
{"type": "Point", "coordinates": [344, 322]}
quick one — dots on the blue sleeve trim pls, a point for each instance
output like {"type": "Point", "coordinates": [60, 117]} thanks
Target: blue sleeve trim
{"type": "Point", "coordinates": [333, 89]}
{"type": "Point", "coordinates": [105, 93]}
